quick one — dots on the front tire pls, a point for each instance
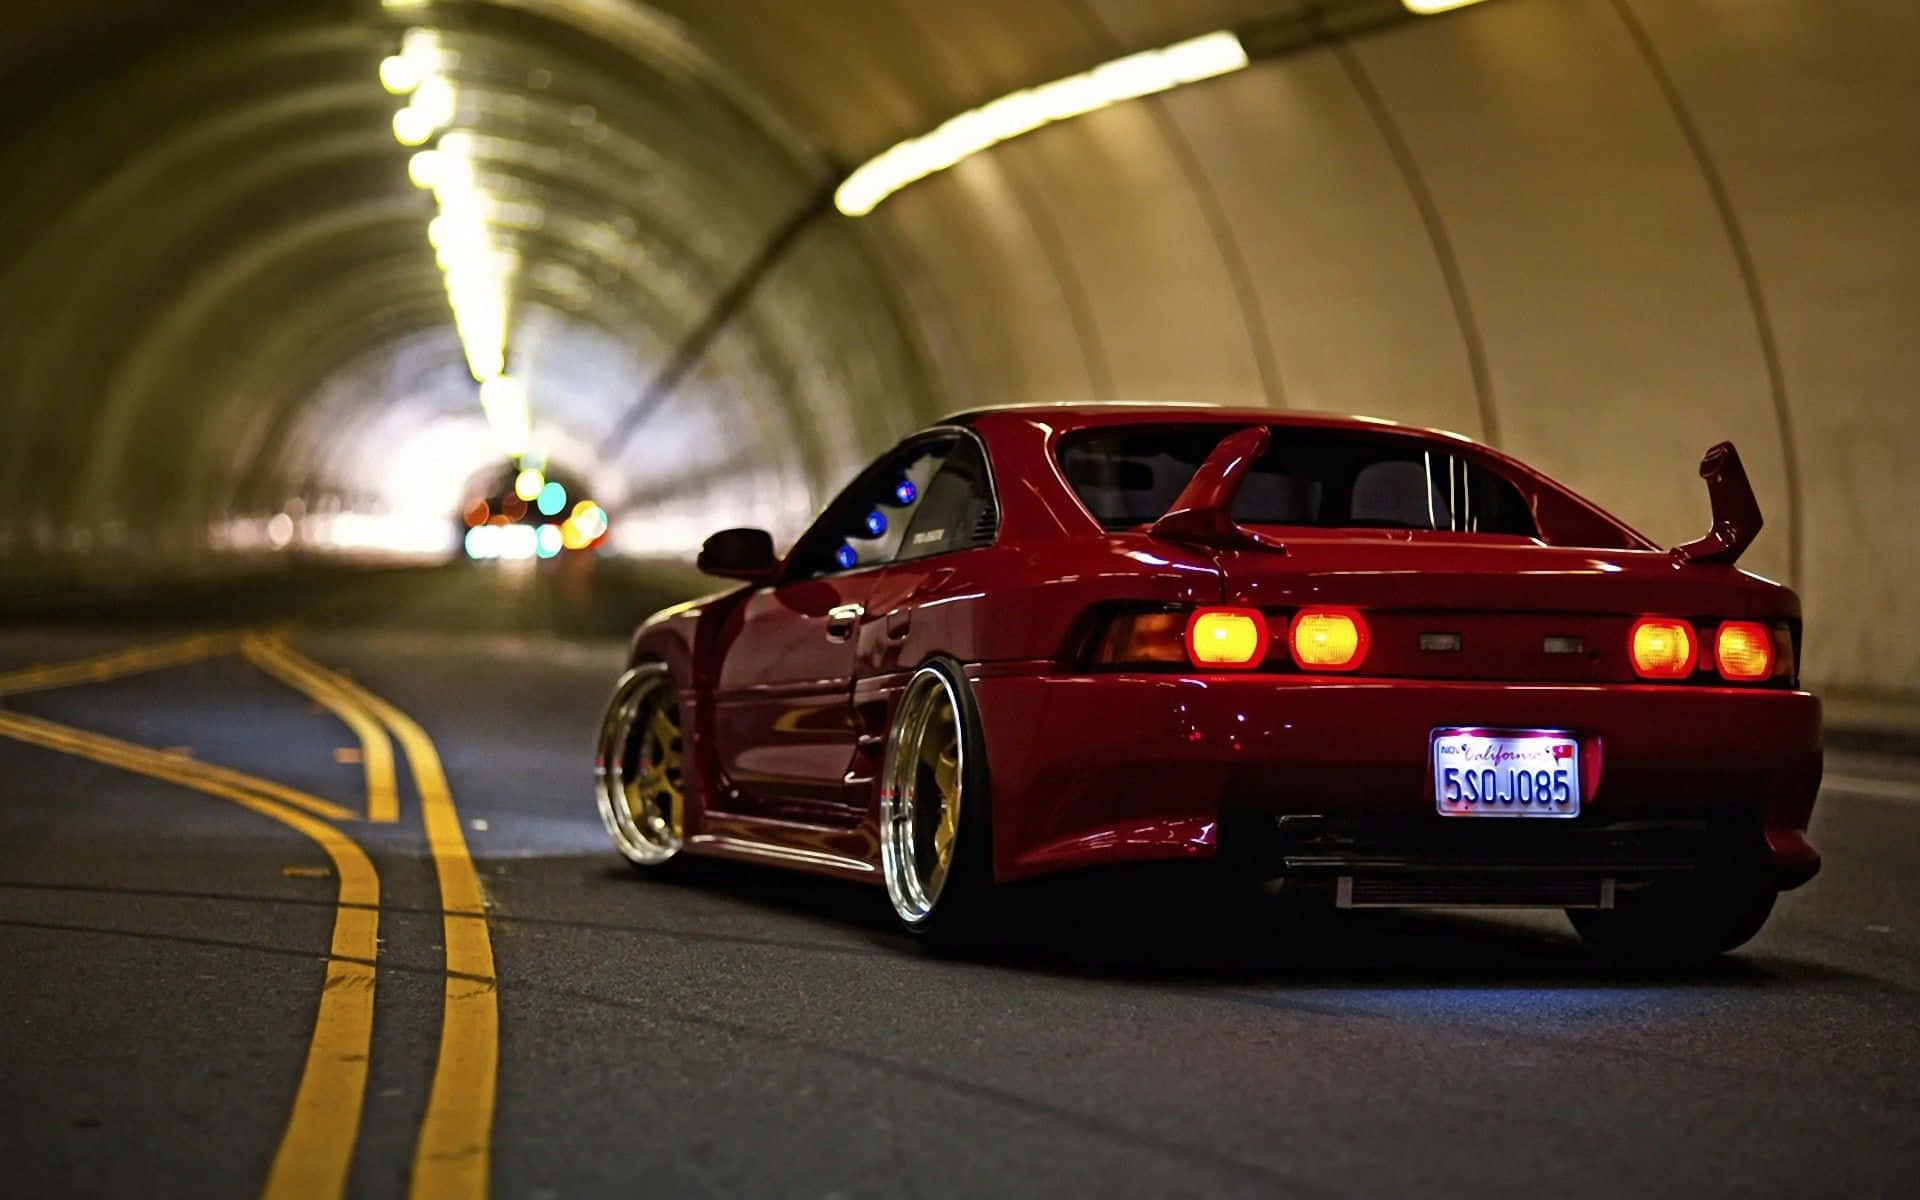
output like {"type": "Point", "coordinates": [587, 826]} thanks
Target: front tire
{"type": "Point", "coordinates": [935, 841]}
{"type": "Point", "coordinates": [640, 767]}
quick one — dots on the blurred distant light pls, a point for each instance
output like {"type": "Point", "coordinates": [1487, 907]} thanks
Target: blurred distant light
{"type": "Point", "coordinates": [846, 556]}
{"type": "Point", "coordinates": [513, 508]}
{"type": "Point", "coordinates": [1428, 7]}
{"type": "Point", "coordinates": [280, 531]}
{"type": "Point", "coordinates": [1025, 111]}
{"type": "Point", "coordinates": [876, 523]}
{"type": "Point", "coordinates": [422, 168]}
{"type": "Point", "coordinates": [904, 492]}
{"type": "Point", "coordinates": [550, 541]}
{"type": "Point", "coordinates": [511, 542]}
{"type": "Point", "coordinates": [552, 499]}
{"type": "Point", "coordinates": [529, 484]}
{"type": "Point", "coordinates": [593, 522]}
{"type": "Point", "coordinates": [411, 127]}
{"type": "Point", "coordinates": [519, 542]}
{"type": "Point", "coordinates": [482, 542]}
{"type": "Point", "coordinates": [400, 74]}
{"type": "Point", "coordinates": [587, 525]}
{"type": "Point", "coordinates": [395, 535]}
{"type": "Point", "coordinates": [504, 399]}
{"type": "Point", "coordinates": [478, 513]}
{"type": "Point", "coordinates": [435, 101]}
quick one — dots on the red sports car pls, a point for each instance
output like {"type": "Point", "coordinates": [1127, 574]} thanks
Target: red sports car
{"type": "Point", "coordinates": [1339, 656]}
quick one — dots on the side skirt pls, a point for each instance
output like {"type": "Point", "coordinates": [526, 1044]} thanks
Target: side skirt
{"type": "Point", "coordinates": [842, 853]}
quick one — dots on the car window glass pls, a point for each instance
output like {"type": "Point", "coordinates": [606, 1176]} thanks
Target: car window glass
{"type": "Point", "coordinates": [1130, 475]}
{"type": "Point", "coordinates": [1399, 493]}
{"type": "Point", "coordinates": [957, 512]}
{"type": "Point", "coordinates": [867, 522]}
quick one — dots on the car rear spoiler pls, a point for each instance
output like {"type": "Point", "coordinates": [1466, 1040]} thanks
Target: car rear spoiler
{"type": "Point", "coordinates": [1736, 514]}
{"type": "Point", "coordinates": [1202, 515]}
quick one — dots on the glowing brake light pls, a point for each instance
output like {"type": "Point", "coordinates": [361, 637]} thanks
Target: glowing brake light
{"type": "Point", "coordinates": [1328, 639]}
{"type": "Point", "coordinates": [1227, 637]}
{"type": "Point", "coordinates": [1743, 650]}
{"type": "Point", "coordinates": [1663, 648]}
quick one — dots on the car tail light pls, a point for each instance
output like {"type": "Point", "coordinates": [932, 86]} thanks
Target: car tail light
{"type": "Point", "coordinates": [1744, 652]}
{"type": "Point", "coordinates": [1663, 648]}
{"type": "Point", "coordinates": [1227, 637]}
{"type": "Point", "coordinates": [1143, 637]}
{"type": "Point", "coordinates": [1786, 663]}
{"type": "Point", "coordinates": [1328, 639]}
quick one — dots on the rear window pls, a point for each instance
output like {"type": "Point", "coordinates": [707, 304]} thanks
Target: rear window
{"type": "Point", "coordinates": [1329, 478]}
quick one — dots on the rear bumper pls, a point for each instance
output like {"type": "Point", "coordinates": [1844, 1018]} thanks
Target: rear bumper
{"type": "Point", "coordinates": [1304, 776]}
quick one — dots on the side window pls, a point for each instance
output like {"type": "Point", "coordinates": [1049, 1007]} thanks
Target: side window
{"type": "Point", "coordinates": [957, 512]}
{"type": "Point", "coordinates": [1399, 493]}
{"type": "Point", "coordinates": [867, 523]}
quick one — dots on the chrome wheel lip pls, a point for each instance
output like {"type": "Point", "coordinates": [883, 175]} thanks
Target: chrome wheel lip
{"type": "Point", "coordinates": [912, 896]}
{"type": "Point", "coordinates": [629, 705]}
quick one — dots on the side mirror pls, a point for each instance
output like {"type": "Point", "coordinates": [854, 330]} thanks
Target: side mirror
{"type": "Point", "coordinates": [740, 554]}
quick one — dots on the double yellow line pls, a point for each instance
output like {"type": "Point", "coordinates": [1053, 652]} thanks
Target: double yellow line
{"type": "Point", "coordinates": [452, 1156]}
{"type": "Point", "coordinates": [98, 669]}
{"type": "Point", "coordinates": [273, 656]}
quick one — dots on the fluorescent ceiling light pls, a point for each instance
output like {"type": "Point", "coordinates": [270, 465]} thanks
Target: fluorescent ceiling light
{"type": "Point", "coordinates": [1429, 7]}
{"type": "Point", "coordinates": [1027, 110]}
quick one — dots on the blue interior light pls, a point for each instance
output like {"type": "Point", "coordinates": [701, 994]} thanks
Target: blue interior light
{"type": "Point", "coordinates": [876, 523]}
{"type": "Point", "coordinates": [905, 492]}
{"type": "Point", "coordinates": [846, 556]}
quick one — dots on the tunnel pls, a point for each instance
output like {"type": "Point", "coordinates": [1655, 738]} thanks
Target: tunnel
{"type": "Point", "coordinates": [330, 321]}
{"type": "Point", "coordinates": [1601, 235]}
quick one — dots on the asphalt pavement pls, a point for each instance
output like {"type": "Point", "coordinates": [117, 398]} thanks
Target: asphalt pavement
{"type": "Point", "coordinates": [171, 1014]}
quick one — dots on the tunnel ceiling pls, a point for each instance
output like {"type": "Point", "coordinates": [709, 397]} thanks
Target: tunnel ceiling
{"type": "Point", "coordinates": [221, 301]}
{"type": "Point", "coordinates": [221, 297]}
{"type": "Point", "coordinates": [1602, 234]}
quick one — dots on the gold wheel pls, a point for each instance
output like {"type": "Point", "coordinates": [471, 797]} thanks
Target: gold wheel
{"type": "Point", "coordinates": [922, 791]}
{"type": "Point", "coordinates": [641, 766]}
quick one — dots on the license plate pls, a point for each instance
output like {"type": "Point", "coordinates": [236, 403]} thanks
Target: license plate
{"type": "Point", "coordinates": [1506, 773]}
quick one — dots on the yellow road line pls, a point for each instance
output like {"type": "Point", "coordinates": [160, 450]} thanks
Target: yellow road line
{"type": "Point", "coordinates": [454, 1154]}
{"type": "Point", "coordinates": [103, 667]}
{"type": "Point", "coordinates": [376, 748]}
{"type": "Point", "coordinates": [316, 1149]}
{"type": "Point", "coordinates": [174, 768]}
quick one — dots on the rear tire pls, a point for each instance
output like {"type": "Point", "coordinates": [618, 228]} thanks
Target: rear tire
{"type": "Point", "coordinates": [1677, 924]}
{"type": "Point", "coordinates": [936, 845]}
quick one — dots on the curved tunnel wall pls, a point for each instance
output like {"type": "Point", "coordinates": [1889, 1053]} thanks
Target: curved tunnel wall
{"type": "Point", "coordinates": [1603, 234]}
{"type": "Point", "coordinates": [1599, 233]}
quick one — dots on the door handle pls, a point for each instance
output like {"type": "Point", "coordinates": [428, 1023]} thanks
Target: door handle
{"type": "Point", "coordinates": [897, 623]}
{"type": "Point", "coordinates": [841, 619]}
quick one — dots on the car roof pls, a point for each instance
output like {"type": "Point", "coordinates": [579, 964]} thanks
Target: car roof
{"type": "Point", "coordinates": [1064, 417]}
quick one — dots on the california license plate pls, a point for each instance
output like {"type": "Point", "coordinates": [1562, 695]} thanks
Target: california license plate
{"type": "Point", "coordinates": [1506, 773]}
